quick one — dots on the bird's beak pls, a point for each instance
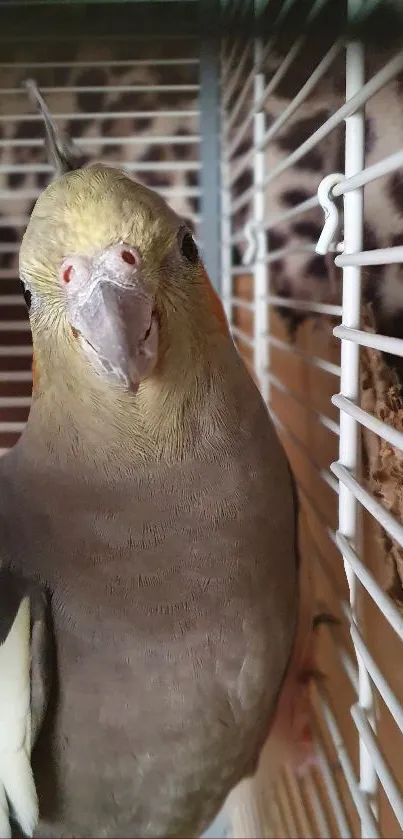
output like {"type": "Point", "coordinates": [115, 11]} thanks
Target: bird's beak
{"type": "Point", "coordinates": [112, 313]}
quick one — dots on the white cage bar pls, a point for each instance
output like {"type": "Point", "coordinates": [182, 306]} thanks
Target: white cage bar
{"type": "Point", "coordinates": [248, 307]}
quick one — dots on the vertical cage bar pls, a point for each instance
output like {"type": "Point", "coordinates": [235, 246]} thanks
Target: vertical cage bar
{"type": "Point", "coordinates": [260, 269]}
{"type": "Point", "coordinates": [350, 517]}
{"type": "Point", "coordinates": [210, 141]}
{"type": "Point", "coordinates": [226, 261]}
{"type": "Point", "coordinates": [226, 250]}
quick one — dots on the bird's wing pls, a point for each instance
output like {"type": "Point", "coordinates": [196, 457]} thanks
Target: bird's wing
{"type": "Point", "coordinates": [24, 689]}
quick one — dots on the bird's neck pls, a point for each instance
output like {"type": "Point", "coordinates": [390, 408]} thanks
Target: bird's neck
{"type": "Point", "coordinates": [176, 414]}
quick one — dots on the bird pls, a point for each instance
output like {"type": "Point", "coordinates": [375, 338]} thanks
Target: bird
{"type": "Point", "coordinates": [149, 508]}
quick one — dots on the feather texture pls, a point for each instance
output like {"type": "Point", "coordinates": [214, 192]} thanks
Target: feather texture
{"type": "Point", "coordinates": [16, 778]}
{"type": "Point", "coordinates": [162, 522]}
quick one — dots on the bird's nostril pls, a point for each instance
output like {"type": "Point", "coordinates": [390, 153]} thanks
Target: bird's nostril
{"type": "Point", "coordinates": [128, 257]}
{"type": "Point", "coordinates": [67, 274]}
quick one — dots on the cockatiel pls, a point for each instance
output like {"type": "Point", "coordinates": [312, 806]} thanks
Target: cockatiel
{"type": "Point", "coordinates": [149, 499]}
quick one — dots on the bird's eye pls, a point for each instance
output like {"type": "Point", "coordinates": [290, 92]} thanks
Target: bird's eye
{"type": "Point", "coordinates": [27, 295]}
{"type": "Point", "coordinates": [189, 248]}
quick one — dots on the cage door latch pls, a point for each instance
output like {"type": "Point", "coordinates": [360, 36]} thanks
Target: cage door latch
{"type": "Point", "coordinates": [252, 243]}
{"type": "Point", "coordinates": [327, 240]}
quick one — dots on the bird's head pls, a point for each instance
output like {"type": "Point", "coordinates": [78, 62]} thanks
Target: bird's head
{"type": "Point", "coordinates": [114, 281]}
{"type": "Point", "coordinates": [131, 342]}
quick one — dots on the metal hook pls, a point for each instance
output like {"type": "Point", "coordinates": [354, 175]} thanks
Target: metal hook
{"type": "Point", "coordinates": [251, 239]}
{"type": "Point", "coordinates": [327, 202]}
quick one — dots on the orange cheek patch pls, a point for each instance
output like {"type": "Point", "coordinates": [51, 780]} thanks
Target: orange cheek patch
{"type": "Point", "coordinates": [216, 305]}
{"type": "Point", "coordinates": [34, 374]}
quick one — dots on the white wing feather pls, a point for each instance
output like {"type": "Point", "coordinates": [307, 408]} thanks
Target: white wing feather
{"type": "Point", "coordinates": [17, 786]}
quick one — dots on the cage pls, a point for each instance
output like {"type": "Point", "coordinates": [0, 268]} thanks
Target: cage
{"type": "Point", "coordinates": [284, 148]}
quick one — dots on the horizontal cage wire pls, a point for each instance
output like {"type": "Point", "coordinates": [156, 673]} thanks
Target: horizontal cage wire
{"type": "Point", "coordinates": [299, 323]}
